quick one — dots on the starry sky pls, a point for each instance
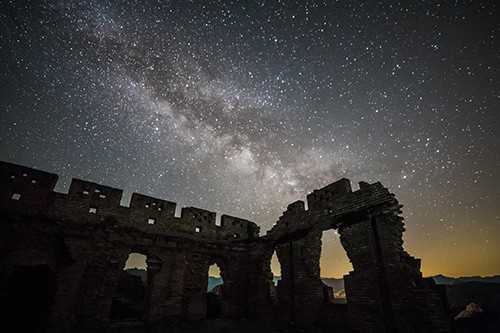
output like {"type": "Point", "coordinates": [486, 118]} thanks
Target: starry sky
{"type": "Point", "coordinates": [242, 107]}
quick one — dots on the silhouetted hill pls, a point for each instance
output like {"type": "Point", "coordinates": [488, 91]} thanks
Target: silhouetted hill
{"type": "Point", "coordinates": [213, 281]}
{"type": "Point", "coordinates": [336, 284]}
{"type": "Point", "coordinates": [442, 279]}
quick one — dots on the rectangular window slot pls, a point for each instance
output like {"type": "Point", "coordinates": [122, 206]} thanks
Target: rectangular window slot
{"type": "Point", "coordinates": [97, 190]}
{"type": "Point", "coordinates": [197, 229]}
{"type": "Point", "coordinates": [16, 196]}
{"type": "Point", "coordinates": [85, 192]}
{"type": "Point", "coordinates": [151, 221]}
{"type": "Point", "coordinates": [33, 181]}
{"type": "Point", "coordinates": [25, 175]}
{"type": "Point", "coordinates": [12, 177]}
{"type": "Point", "coordinates": [102, 196]}
{"type": "Point", "coordinates": [93, 210]}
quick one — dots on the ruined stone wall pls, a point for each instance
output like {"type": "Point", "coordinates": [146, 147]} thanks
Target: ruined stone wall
{"type": "Point", "coordinates": [261, 292]}
{"type": "Point", "coordinates": [88, 273]}
{"type": "Point", "coordinates": [83, 239]}
{"type": "Point", "coordinates": [300, 289]}
{"type": "Point", "coordinates": [25, 189]}
{"type": "Point", "coordinates": [385, 291]}
{"type": "Point", "coordinates": [98, 234]}
{"type": "Point", "coordinates": [32, 192]}
{"type": "Point", "coordinates": [385, 288]}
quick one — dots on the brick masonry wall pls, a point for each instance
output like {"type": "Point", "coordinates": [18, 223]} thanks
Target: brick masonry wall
{"type": "Point", "coordinates": [85, 236]}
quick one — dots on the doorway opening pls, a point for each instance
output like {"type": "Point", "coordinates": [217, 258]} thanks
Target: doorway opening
{"type": "Point", "coordinates": [30, 296]}
{"type": "Point", "coordinates": [129, 297]}
{"type": "Point", "coordinates": [275, 268]}
{"type": "Point", "coordinates": [215, 292]}
{"type": "Point", "coordinates": [334, 264]}
{"type": "Point", "coordinates": [277, 275]}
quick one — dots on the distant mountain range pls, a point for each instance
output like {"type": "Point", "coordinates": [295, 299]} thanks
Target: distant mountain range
{"type": "Point", "coordinates": [441, 279]}
{"type": "Point", "coordinates": [337, 284]}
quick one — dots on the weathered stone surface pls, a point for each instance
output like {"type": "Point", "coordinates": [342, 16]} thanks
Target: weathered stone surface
{"type": "Point", "coordinates": [77, 243]}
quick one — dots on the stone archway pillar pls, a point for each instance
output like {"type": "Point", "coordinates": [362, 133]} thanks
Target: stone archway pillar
{"type": "Point", "coordinates": [235, 290]}
{"type": "Point", "coordinates": [363, 284]}
{"type": "Point", "coordinates": [195, 286]}
{"type": "Point", "coordinates": [300, 290]}
{"type": "Point", "coordinates": [152, 288]}
{"type": "Point", "coordinates": [385, 291]}
{"type": "Point", "coordinates": [166, 294]}
{"type": "Point", "coordinates": [260, 283]}
{"type": "Point", "coordinates": [98, 284]}
{"type": "Point", "coordinates": [65, 308]}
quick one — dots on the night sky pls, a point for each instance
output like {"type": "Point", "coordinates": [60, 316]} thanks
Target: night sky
{"type": "Point", "coordinates": [242, 107]}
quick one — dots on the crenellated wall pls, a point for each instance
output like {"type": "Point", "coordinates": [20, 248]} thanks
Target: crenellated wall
{"type": "Point", "coordinates": [78, 244]}
{"type": "Point", "coordinates": [32, 192]}
{"type": "Point", "coordinates": [25, 189]}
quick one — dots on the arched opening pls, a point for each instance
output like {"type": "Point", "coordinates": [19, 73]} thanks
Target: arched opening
{"type": "Point", "coordinates": [277, 275]}
{"type": "Point", "coordinates": [334, 264]}
{"type": "Point", "coordinates": [275, 268]}
{"type": "Point", "coordinates": [29, 299]}
{"type": "Point", "coordinates": [215, 292]}
{"type": "Point", "coordinates": [129, 297]}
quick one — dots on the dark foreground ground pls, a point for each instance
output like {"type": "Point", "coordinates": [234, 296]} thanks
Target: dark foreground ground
{"type": "Point", "coordinates": [219, 326]}
{"type": "Point", "coordinates": [484, 323]}
{"type": "Point", "coordinates": [486, 294]}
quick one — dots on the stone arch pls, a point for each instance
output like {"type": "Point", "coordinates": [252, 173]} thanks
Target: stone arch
{"type": "Point", "coordinates": [277, 274]}
{"type": "Point", "coordinates": [226, 289]}
{"type": "Point", "coordinates": [234, 291]}
{"type": "Point", "coordinates": [275, 267]}
{"type": "Point", "coordinates": [134, 285]}
{"type": "Point", "coordinates": [334, 265]}
{"type": "Point", "coordinates": [215, 292]}
{"type": "Point", "coordinates": [129, 294]}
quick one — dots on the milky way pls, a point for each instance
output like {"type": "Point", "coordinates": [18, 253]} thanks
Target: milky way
{"type": "Point", "coordinates": [244, 107]}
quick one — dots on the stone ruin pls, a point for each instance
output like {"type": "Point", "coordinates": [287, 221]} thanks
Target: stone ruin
{"type": "Point", "coordinates": [62, 255]}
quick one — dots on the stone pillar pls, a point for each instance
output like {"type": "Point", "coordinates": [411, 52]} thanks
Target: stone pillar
{"type": "Point", "coordinates": [385, 291]}
{"type": "Point", "coordinates": [195, 286]}
{"type": "Point", "coordinates": [235, 285]}
{"type": "Point", "coordinates": [65, 308]}
{"type": "Point", "coordinates": [152, 289]}
{"type": "Point", "coordinates": [363, 284]}
{"type": "Point", "coordinates": [300, 290]}
{"type": "Point", "coordinates": [415, 302]}
{"type": "Point", "coordinates": [99, 282]}
{"type": "Point", "coordinates": [260, 283]}
{"type": "Point", "coordinates": [167, 289]}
